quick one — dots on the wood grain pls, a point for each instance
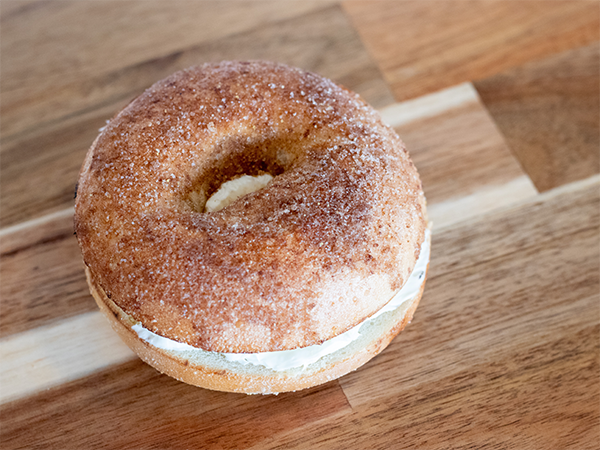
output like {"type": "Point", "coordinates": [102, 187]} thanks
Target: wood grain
{"type": "Point", "coordinates": [429, 105]}
{"type": "Point", "coordinates": [295, 40]}
{"type": "Point", "coordinates": [464, 163]}
{"type": "Point", "coordinates": [471, 307]}
{"type": "Point", "coordinates": [48, 47]}
{"type": "Point", "coordinates": [459, 152]}
{"type": "Point", "coordinates": [34, 183]}
{"type": "Point", "coordinates": [543, 218]}
{"type": "Point", "coordinates": [42, 276]}
{"type": "Point", "coordinates": [504, 350]}
{"type": "Point", "coordinates": [549, 112]}
{"type": "Point", "coordinates": [488, 363]}
{"type": "Point", "coordinates": [97, 412]}
{"type": "Point", "coordinates": [425, 46]}
{"type": "Point", "coordinates": [29, 183]}
{"type": "Point", "coordinates": [539, 397]}
{"type": "Point", "coordinates": [485, 362]}
{"type": "Point", "coordinates": [56, 353]}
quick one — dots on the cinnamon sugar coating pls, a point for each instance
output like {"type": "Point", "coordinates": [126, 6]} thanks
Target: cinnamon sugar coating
{"type": "Point", "coordinates": [324, 245]}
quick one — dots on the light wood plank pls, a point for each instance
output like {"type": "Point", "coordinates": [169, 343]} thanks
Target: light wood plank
{"type": "Point", "coordinates": [429, 105]}
{"type": "Point", "coordinates": [58, 353]}
{"type": "Point", "coordinates": [484, 200]}
{"type": "Point", "coordinates": [569, 209]}
{"type": "Point", "coordinates": [549, 112]}
{"type": "Point", "coordinates": [19, 235]}
{"type": "Point", "coordinates": [426, 46]}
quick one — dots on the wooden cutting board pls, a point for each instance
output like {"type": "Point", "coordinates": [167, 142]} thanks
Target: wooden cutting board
{"type": "Point", "coordinates": [498, 103]}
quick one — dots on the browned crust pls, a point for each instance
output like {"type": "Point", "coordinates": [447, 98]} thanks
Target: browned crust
{"type": "Point", "coordinates": [236, 381]}
{"type": "Point", "coordinates": [329, 241]}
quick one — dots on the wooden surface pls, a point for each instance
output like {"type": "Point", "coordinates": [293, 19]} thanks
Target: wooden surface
{"type": "Point", "coordinates": [498, 104]}
{"type": "Point", "coordinates": [549, 110]}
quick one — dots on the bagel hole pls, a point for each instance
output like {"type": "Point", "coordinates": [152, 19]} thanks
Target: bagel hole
{"type": "Point", "coordinates": [236, 168]}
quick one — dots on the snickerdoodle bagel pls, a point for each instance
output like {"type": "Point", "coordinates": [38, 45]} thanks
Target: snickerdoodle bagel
{"type": "Point", "coordinates": [252, 227]}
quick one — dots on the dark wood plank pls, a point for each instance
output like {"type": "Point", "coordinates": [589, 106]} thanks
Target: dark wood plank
{"type": "Point", "coordinates": [35, 182]}
{"type": "Point", "coordinates": [425, 46]}
{"type": "Point", "coordinates": [133, 406]}
{"type": "Point", "coordinates": [549, 112]}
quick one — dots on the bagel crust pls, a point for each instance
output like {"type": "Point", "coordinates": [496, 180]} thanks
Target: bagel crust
{"type": "Point", "coordinates": [323, 246]}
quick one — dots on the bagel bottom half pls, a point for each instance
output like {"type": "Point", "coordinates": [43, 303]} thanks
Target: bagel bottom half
{"type": "Point", "coordinates": [213, 371]}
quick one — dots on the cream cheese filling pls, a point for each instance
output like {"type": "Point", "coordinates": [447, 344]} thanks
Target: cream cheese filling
{"type": "Point", "coordinates": [231, 190]}
{"type": "Point", "coordinates": [303, 357]}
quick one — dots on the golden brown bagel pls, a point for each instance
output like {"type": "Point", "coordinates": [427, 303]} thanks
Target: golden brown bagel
{"type": "Point", "coordinates": [325, 245]}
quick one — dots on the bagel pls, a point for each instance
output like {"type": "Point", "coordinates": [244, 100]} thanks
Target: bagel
{"type": "Point", "coordinates": [252, 227]}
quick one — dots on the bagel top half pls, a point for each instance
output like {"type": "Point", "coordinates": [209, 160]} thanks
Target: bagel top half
{"type": "Point", "coordinates": [328, 242]}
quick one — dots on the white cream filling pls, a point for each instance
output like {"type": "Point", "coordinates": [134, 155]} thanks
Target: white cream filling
{"type": "Point", "coordinates": [233, 189]}
{"type": "Point", "coordinates": [289, 359]}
